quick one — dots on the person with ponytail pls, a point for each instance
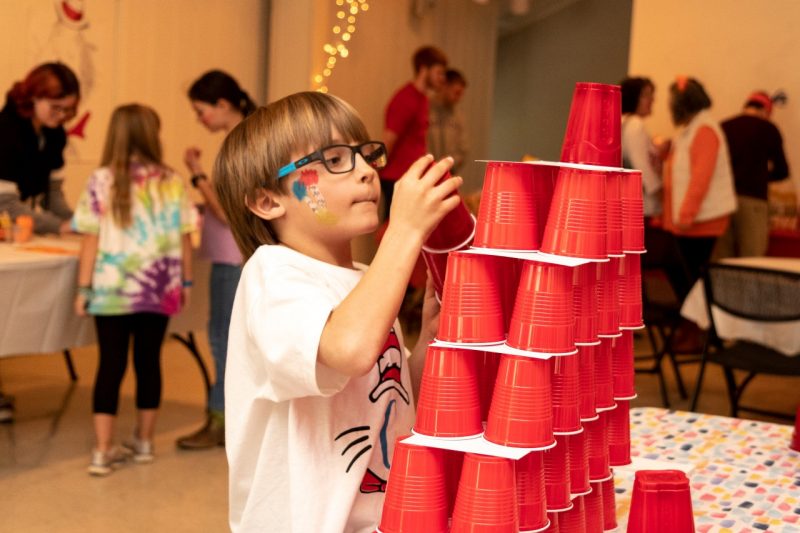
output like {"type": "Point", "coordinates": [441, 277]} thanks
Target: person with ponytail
{"type": "Point", "coordinates": [135, 271]}
{"type": "Point", "coordinates": [32, 141]}
{"type": "Point", "coordinates": [220, 104]}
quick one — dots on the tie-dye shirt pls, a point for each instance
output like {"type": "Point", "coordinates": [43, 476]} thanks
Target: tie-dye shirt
{"type": "Point", "coordinates": [138, 268]}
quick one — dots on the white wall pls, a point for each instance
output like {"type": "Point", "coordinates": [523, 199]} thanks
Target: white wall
{"type": "Point", "coordinates": [732, 46]}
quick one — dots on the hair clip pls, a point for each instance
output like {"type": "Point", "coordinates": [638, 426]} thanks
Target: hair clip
{"type": "Point", "coordinates": [681, 81]}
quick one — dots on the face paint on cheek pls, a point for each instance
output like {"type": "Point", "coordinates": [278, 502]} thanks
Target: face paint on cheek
{"type": "Point", "coordinates": [306, 189]}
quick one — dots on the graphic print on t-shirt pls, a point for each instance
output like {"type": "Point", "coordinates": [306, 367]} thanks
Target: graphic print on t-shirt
{"type": "Point", "coordinates": [389, 368]}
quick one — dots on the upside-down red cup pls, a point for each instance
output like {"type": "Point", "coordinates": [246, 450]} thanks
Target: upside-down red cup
{"type": "Point", "coordinates": [619, 434]}
{"type": "Point", "coordinates": [574, 520]}
{"type": "Point", "coordinates": [577, 221]}
{"type": "Point", "coordinates": [416, 493]}
{"type": "Point", "coordinates": [557, 475]}
{"type": "Point", "coordinates": [795, 444]}
{"type": "Point", "coordinates": [472, 310]}
{"type": "Point", "coordinates": [608, 297]}
{"type": "Point", "coordinates": [661, 502]}
{"type": "Point", "coordinates": [520, 414]}
{"type": "Point", "coordinates": [614, 203]}
{"type": "Point", "coordinates": [531, 492]}
{"type": "Point", "coordinates": [449, 398]}
{"type": "Point", "coordinates": [487, 496]}
{"type": "Point", "coordinates": [542, 320]}
{"type": "Point", "coordinates": [488, 364]}
{"type": "Point", "coordinates": [603, 378]}
{"type": "Point", "coordinates": [593, 134]}
{"type": "Point", "coordinates": [544, 185]}
{"type": "Point", "coordinates": [586, 382]}
{"type": "Point", "coordinates": [593, 509]}
{"type": "Point", "coordinates": [578, 463]}
{"type": "Point", "coordinates": [509, 271]}
{"type": "Point", "coordinates": [632, 212]}
{"type": "Point", "coordinates": [453, 462]}
{"type": "Point", "coordinates": [553, 527]}
{"type": "Point", "coordinates": [597, 448]}
{"type": "Point", "coordinates": [584, 303]}
{"type": "Point", "coordinates": [507, 215]}
{"type": "Point", "coordinates": [437, 266]}
{"type": "Point", "coordinates": [609, 505]}
{"type": "Point", "coordinates": [622, 369]}
{"type": "Point", "coordinates": [564, 393]}
{"type": "Point", "coordinates": [630, 292]}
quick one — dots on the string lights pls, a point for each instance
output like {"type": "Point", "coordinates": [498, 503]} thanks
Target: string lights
{"type": "Point", "coordinates": [347, 12]}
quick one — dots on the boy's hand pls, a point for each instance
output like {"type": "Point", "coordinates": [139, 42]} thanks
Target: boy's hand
{"type": "Point", "coordinates": [420, 201]}
{"type": "Point", "coordinates": [430, 313]}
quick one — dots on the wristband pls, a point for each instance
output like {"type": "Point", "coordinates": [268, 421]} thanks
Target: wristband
{"type": "Point", "coordinates": [187, 283]}
{"type": "Point", "coordinates": [196, 179]}
{"type": "Point", "coordinates": [86, 291]}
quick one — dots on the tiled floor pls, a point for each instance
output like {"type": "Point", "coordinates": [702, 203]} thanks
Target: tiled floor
{"type": "Point", "coordinates": [44, 453]}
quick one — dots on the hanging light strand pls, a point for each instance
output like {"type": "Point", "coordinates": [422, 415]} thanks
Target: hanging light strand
{"type": "Point", "coordinates": [344, 26]}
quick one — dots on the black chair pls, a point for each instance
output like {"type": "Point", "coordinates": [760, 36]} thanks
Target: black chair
{"type": "Point", "coordinates": [753, 294]}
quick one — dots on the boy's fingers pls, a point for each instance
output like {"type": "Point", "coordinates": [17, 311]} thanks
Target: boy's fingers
{"type": "Point", "coordinates": [418, 166]}
{"type": "Point", "coordinates": [437, 170]}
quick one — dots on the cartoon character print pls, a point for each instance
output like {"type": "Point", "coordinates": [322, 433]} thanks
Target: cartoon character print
{"type": "Point", "coordinates": [389, 369]}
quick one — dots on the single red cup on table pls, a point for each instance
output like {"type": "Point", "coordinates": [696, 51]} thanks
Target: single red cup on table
{"type": "Point", "coordinates": [574, 520]}
{"type": "Point", "coordinates": [557, 475]}
{"type": "Point", "coordinates": [593, 134]}
{"type": "Point", "coordinates": [597, 448]}
{"type": "Point", "coordinates": [603, 377]}
{"type": "Point", "coordinates": [632, 212]}
{"type": "Point", "coordinates": [449, 402]}
{"type": "Point", "coordinates": [416, 493]}
{"type": "Point", "coordinates": [593, 509]}
{"type": "Point", "coordinates": [487, 496]}
{"type": "Point", "coordinates": [531, 492]}
{"type": "Point", "coordinates": [608, 297]}
{"type": "Point", "coordinates": [586, 382]}
{"type": "Point", "coordinates": [630, 292]}
{"type": "Point", "coordinates": [520, 414]}
{"type": "Point", "coordinates": [622, 369]}
{"type": "Point", "coordinates": [609, 505]}
{"type": "Point", "coordinates": [472, 310]}
{"type": "Point", "coordinates": [661, 502]}
{"type": "Point", "coordinates": [507, 216]}
{"type": "Point", "coordinates": [584, 303]}
{"type": "Point", "coordinates": [614, 203]}
{"type": "Point", "coordinates": [619, 434]}
{"type": "Point", "coordinates": [564, 393]}
{"type": "Point", "coordinates": [542, 320]}
{"type": "Point", "coordinates": [578, 464]}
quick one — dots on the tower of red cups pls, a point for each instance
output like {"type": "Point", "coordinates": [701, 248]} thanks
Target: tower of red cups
{"type": "Point", "coordinates": [540, 294]}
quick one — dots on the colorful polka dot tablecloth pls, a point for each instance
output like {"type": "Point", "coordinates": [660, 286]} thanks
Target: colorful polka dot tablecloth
{"type": "Point", "coordinates": [744, 477]}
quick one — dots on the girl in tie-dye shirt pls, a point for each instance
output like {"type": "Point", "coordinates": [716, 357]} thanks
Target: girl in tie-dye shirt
{"type": "Point", "coordinates": [135, 271]}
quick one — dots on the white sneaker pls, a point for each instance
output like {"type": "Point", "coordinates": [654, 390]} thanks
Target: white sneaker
{"type": "Point", "coordinates": [142, 450]}
{"type": "Point", "coordinates": [103, 463]}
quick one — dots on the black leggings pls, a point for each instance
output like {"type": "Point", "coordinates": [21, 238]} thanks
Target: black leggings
{"type": "Point", "coordinates": [113, 337]}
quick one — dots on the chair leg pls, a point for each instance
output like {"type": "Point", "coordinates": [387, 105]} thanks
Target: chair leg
{"type": "Point", "coordinates": [678, 377]}
{"type": "Point", "coordinates": [698, 384]}
{"type": "Point", "coordinates": [730, 380]}
{"type": "Point", "coordinates": [662, 382]}
{"type": "Point", "coordinates": [70, 367]}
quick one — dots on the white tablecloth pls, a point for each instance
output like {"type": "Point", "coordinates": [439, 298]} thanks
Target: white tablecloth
{"type": "Point", "coordinates": [781, 336]}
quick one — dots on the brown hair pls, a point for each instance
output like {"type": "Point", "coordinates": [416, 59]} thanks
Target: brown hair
{"type": "Point", "coordinates": [132, 133]}
{"type": "Point", "coordinates": [48, 80]}
{"type": "Point", "coordinates": [265, 141]}
{"type": "Point", "coordinates": [427, 56]}
{"type": "Point", "coordinates": [687, 98]}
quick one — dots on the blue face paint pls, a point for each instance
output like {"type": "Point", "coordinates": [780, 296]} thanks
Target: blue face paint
{"type": "Point", "coordinates": [299, 190]}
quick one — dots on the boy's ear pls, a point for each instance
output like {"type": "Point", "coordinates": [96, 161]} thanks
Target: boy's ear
{"type": "Point", "coordinates": [266, 205]}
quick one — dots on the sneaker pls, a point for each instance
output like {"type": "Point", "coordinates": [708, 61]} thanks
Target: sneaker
{"type": "Point", "coordinates": [212, 434]}
{"type": "Point", "coordinates": [103, 463]}
{"type": "Point", "coordinates": [142, 450]}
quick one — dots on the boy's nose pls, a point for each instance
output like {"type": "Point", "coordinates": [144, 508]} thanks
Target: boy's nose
{"type": "Point", "coordinates": [364, 170]}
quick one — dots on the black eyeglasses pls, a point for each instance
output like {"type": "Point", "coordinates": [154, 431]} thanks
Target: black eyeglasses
{"type": "Point", "coordinates": [341, 158]}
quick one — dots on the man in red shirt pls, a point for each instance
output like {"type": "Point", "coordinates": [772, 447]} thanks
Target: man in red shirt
{"type": "Point", "coordinates": [406, 123]}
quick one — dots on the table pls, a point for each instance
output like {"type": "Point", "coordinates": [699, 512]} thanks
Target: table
{"type": "Point", "coordinates": [781, 336]}
{"type": "Point", "coordinates": [743, 475]}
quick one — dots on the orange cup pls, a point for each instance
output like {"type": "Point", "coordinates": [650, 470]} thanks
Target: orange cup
{"type": "Point", "coordinates": [578, 463]}
{"type": "Point", "coordinates": [23, 229]}
{"type": "Point", "coordinates": [593, 134]}
{"type": "Point", "coordinates": [586, 382]}
{"type": "Point", "coordinates": [608, 297]}
{"type": "Point", "coordinates": [564, 393]}
{"type": "Point", "coordinates": [487, 496]}
{"type": "Point", "coordinates": [661, 502]}
{"type": "Point", "coordinates": [557, 475]}
{"type": "Point", "coordinates": [507, 215]}
{"type": "Point", "coordinates": [622, 370]}
{"type": "Point", "coordinates": [603, 378]}
{"type": "Point", "coordinates": [531, 492]}
{"type": "Point", "coordinates": [619, 434]}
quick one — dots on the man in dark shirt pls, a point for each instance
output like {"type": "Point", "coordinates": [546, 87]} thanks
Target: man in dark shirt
{"type": "Point", "coordinates": [757, 158]}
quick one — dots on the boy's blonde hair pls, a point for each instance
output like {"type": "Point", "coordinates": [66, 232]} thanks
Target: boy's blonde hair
{"type": "Point", "coordinates": [132, 132]}
{"type": "Point", "coordinates": [267, 140]}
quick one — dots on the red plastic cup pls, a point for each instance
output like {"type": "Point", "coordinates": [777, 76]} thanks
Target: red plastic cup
{"type": "Point", "coordinates": [586, 382]}
{"type": "Point", "coordinates": [614, 203]}
{"type": "Point", "coordinates": [593, 134]}
{"type": "Point", "coordinates": [622, 369]}
{"type": "Point", "coordinates": [437, 266]}
{"type": "Point", "coordinates": [564, 393]}
{"type": "Point", "coordinates": [578, 464]}
{"type": "Point", "coordinates": [449, 399]}
{"type": "Point", "coordinates": [574, 520]}
{"type": "Point", "coordinates": [577, 221]}
{"type": "Point", "coordinates": [553, 527]}
{"type": "Point", "coordinates": [584, 303]}
{"type": "Point", "coordinates": [609, 505]}
{"type": "Point", "coordinates": [509, 272]}
{"type": "Point", "coordinates": [603, 379]}
{"type": "Point", "coordinates": [456, 228]}
{"type": "Point", "coordinates": [416, 493]}
{"type": "Point", "coordinates": [453, 462]}
{"type": "Point", "coordinates": [487, 496]}
{"type": "Point", "coordinates": [619, 434]}
{"type": "Point", "coordinates": [661, 502]}
{"type": "Point", "coordinates": [593, 509]}
{"type": "Point", "coordinates": [531, 492]}
{"type": "Point", "coordinates": [630, 292]}
{"type": "Point", "coordinates": [608, 297]}
{"type": "Point", "coordinates": [507, 216]}
{"type": "Point", "coordinates": [795, 445]}
{"type": "Point", "coordinates": [544, 185]}
{"type": "Point", "coordinates": [632, 212]}
{"type": "Point", "coordinates": [597, 448]}
{"type": "Point", "coordinates": [557, 475]}
{"type": "Point", "coordinates": [542, 320]}
{"type": "Point", "coordinates": [472, 310]}
{"type": "Point", "coordinates": [521, 414]}
{"type": "Point", "coordinates": [488, 364]}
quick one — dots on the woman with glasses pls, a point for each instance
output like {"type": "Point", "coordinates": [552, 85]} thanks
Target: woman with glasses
{"type": "Point", "coordinates": [32, 141]}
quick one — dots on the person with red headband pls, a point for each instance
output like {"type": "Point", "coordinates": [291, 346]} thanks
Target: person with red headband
{"type": "Point", "coordinates": [757, 158]}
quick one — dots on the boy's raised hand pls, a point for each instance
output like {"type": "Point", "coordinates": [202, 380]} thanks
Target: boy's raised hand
{"type": "Point", "coordinates": [421, 199]}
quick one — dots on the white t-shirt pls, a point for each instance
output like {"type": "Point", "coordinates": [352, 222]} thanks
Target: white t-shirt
{"type": "Point", "coordinates": [308, 448]}
{"type": "Point", "coordinates": [638, 152]}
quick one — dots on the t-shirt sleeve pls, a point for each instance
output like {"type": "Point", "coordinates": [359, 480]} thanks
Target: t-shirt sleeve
{"type": "Point", "coordinates": [188, 214]}
{"type": "Point", "coordinates": [284, 325]}
{"type": "Point", "coordinates": [90, 207]}
{"type": "Point", "coordinates": [399, 114]}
